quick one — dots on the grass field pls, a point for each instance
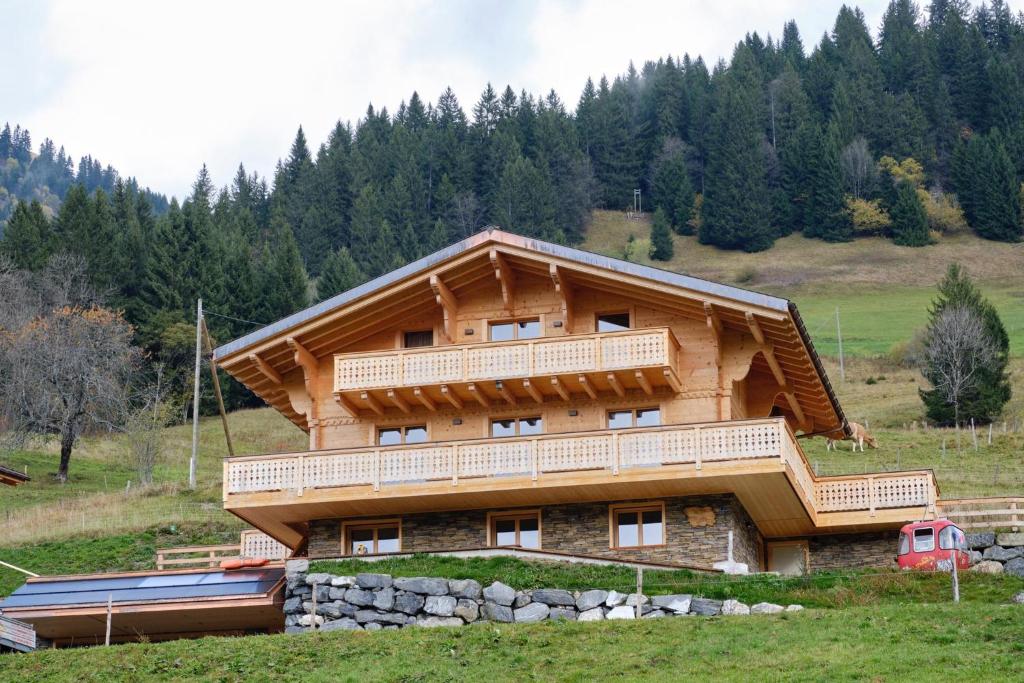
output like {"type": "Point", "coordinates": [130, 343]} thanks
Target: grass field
{"type": "Point", "coordinates": [888, 643]}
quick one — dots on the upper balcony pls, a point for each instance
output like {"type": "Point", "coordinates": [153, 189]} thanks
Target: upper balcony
{"type": "Point", "coordinates": [758, 460]}
{"type": "Point", "coordinates": [511, 371]}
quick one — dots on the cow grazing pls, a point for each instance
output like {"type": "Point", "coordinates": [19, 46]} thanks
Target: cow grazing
{"type": "Point", "coordinates": [859, 437]}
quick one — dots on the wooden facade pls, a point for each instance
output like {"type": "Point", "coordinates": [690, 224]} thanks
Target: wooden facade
{"type": "Point", "coordinates": [491, 375]}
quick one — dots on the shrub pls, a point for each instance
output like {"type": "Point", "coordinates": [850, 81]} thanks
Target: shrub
{"type": "Point", "coordinates": [869, 218]}
{"type": "Point", "coordinates": [943, 211]}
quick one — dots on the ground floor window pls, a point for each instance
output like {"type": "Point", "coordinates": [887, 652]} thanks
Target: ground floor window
{"type": "Point", "coordinates": [520, 529]}
{"type": "Point", "coordinates": [371, 538]}
{"type": "Point", "coordinates": [635, 526]}
{"type": "Point", "coordinates": [790, 558]}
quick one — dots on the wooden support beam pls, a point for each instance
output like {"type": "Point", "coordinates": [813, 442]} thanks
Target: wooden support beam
{"type": "Point", "coordinates": [449, 306]}
{"type": "Point", "coordinates": [644, 383]}
{"type": "Point", "coordinates": [372, 401]}
{"type": "Point", "coordinates": [797, 410]}
{"type": "Point", "coordinates": [533, 391]}
{"type": "Point", "coordinates": [346, 404]}
{"type": "Point", "coordinates": [755, 328]}
{"type": "Point", "coordinates": [560, 388]}
{"type": "Point", "coordinates": [399, 402]}
{"type": "Point", "coordinates": [564, 292]}
{"type": "Point", "coordinates": [673, 380]}
{"type": "Point", "coordinates": [425, 399]}
{"type": "Point", "coordinates": [452, 397]}
{"type": "Point", "coordinates": [616, 385]}
{"type": "Point", "coordinates": [265, 369]}
{"type": "Point", "coordinates": [773, 364]}
{"type": "Point", "coordinates": [505, 392]}
{"type": "Point", "coordinates": [714, 322]}
{"type": "Point", "coordinates": [587, 386]}
{"type": "Point", "coordinates": [479, 395]}
{"type": "Point", "coordinates": [503, 274]}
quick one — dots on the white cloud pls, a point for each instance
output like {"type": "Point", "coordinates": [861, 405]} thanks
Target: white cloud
{"type": "Point", "coordinates": [158, 89]}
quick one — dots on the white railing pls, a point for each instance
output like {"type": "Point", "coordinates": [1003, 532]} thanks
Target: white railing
{"type": "Point", "coordinates": [875, 491]}
{"type": "Point", "coordinates": [609, 450]}
{"type": "Point", "coordinates": [985, 513]}
{"type": "Point", "coordinates": [255, 543]}
{"type": "Point", "coordinates": [569, 355]}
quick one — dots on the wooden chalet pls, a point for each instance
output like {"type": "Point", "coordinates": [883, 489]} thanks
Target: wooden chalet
{"type": "Point", "coordinates": [510, 392]}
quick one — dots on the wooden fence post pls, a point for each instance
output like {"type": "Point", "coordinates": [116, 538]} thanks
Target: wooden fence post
{"type": "Point", "coordinates": [110, 607]}
{"type": "Point", "coordinates": [639, 592]}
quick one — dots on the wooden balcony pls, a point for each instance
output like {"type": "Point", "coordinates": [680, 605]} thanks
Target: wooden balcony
{"type": "Point", "coordinates": [523, 370]}
{"type": "Point", "coordinates": [758, 460]}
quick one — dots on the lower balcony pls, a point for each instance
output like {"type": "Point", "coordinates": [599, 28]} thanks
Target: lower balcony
{"type": "Point", "coordinates": [760, 461]}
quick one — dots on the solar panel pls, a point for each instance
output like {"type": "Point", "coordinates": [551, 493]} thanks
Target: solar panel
{"type": "Point", "coordinates": [143, 587]}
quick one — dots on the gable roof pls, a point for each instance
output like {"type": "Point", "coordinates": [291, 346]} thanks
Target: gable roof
{"type": "Point", "coordinates": [778, 316]}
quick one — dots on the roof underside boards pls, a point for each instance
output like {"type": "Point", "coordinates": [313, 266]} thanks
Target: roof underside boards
{"type": "Point", "coordinates": [335, 324]}
{"type": "Point", "coordinates": [138, 588]}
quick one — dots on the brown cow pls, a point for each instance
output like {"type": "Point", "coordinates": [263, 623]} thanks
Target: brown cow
{"type": "Point", "coordinates": [859, 436]}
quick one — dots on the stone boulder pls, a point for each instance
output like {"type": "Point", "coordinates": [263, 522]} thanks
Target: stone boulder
{"type": "Point", "coordinates": [467, 609]}
{"type": "Point", "coordinates": [373, 580]}
{"type": "Point", "coordinates": [336, 610]}
{"type": "Point", "coordinates": [292, 567]}
{"type": "Point", "coordinates": [988, 567]}
{"type": "Point", "coordinates": [766, 608]}
{"type": "Point", "coordinates": [310, 619]}
{"type": "Point", "coordinates": [633, 598]}
{"type": "Point", "coordinates": [588, 600]}
{"type": "Point", "coordinates": [293, 605]}
{"type": "Point", "coordinates": [492, 611]}
{"type": "Point", "coordinates": [621, 612]}
{"type": "Point", "coordinates": [534, 612]}
{"type": "Point", "coordinates": [1015, 567]}
{"type": "Point", "coordinates": [341, 625]}
{"type": "Point", "coordinates": [422, 585]}
{"type": "Point", "coordinates": [595, 614]}
{"type": "Point", "coordinates": [499, 593]}
{"type": "Point", "coordinates": [980, 541]}
{"type": "Point", "coordinates": [318, 579]}
{"type": "Point", "coordinates": [974, 556]}
{"type": "Point", "coordinates": [465, 588]}
{"type": "Point", "coordinates": [794, 608]}
{"type": "Point", "coordinates": [734, 607]}
{"type": "Point", "coordinates": [1019, 598]}
{"type": "Point", "coordinates": [522, 599]}
{"type": "Point", "coordinates": [706, 607]}
{"type": "Point", "coordinates": [1009, 540]}
{"type": "Point", "coordinates": [410, 603]}
{"type": "Point", "coordinates": [564, 613]}
{"type": "Point", "coordinates": [550, 596]}
{"type": "Point", "coordinates": [384, 599]}
{"type": "Point", "coordinates": [615, 599]}
{"type": "Point", "coordinates": [343, 581]}
{"type": "Point", "coordinates": [678, 604]}
{"type": "Point", "coordinates": [293, 629]}
{"type": "Point", "coordinates": [440, 605]}
{"type": "Point", "coordinates": [323, 592]}
{"type": "Point", "coordinates": [368, 615]}
{"type": "Point", "coordinates": [358, 596]}
{"type": "Point", "coordinates": [653, 614]}
{"type": "Point", "coordinates": [1001, 554]}
{"type": "Point", "coordinates": [434, 622]}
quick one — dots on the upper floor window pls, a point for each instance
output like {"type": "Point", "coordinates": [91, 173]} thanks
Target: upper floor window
{"type": "Point", "coordinates": [638, 417]}
{"type": "Point", "coordinates": [418, 338]}
{"type": "Point", "coordinates": [395, 436]}
{"type": "Point", "coordinates": [517, 426]}
{"type": "Point", "coordinates": [515, 329]}
{"type": "Point", "coordinates": [612, 322]}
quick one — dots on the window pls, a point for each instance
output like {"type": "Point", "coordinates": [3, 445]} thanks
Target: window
{"type": "Point", "coordinates": [521, 529]}
{"type": "Point", "coordinates": [904, 546]}
{"type": "Point", "coordinates": [612, 322]}
{"type": "Point", "coordinates": [371, 538]}
{"type": "Point", "coordinates": [638, 526]}
{"type": "Point", "coordinates": [414, 340]}
{"type": "Point", "coordinates": [640, 417]}
{"type": "Point", "coordinates": [517, 426]}
{"type": "Point", "coordinates": [516, 329]}
{"type": "Point", "coordinates": [951, 537]}
{"type": "Point", "coordinates": [924, 540]}
{"type": "Point", "coordinates": [395, 436]}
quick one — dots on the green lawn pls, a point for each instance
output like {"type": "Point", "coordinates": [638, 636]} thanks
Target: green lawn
{"type": "Point", "coordinates": [891, 643]}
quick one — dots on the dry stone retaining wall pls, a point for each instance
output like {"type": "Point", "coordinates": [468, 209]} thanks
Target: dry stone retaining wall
{"type": "Point", "coordinates": [993, 553]}
{"type": "Point", "coordinates": [374, 602]}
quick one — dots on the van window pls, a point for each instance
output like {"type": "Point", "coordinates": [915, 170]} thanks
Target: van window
{"type": "Point", "coordinates": [951, 537]}
{"type": "Point", "coordinates": [924, 540]}
{"type": "Point", "coordinates": [904, 546]}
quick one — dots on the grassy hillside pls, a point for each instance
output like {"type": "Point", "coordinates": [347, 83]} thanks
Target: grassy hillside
{"type": "Point", "coordinates": [891, 643]}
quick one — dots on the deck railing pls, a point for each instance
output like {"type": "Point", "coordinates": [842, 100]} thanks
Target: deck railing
{"type": "Point", "coordinates": [567, 355]}
{"type": "Point", "coordinates": [253, 543]}
{"type": "Point", "coordinates": [22, 635]}
{"type": "Point", "coordinates": [985, 513]}
{"type": "Point", "coordinates": [874, 491]}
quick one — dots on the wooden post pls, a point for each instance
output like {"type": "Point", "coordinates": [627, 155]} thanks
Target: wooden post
{"type": "Point", "coordinates": [195, 396]}
{"type": "Point", "coordinates": [953, 555]}
{"type": "Point", "coordinates": [110, 608]}
{"type": "Point", "coordinates": [216, 388]}
{"type": "Point", "coordinates": [639, 592]}
{"type": "Point", "coordinates": [312, 620]}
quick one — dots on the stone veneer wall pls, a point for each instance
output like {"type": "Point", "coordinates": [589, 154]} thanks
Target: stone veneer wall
{"type": "Point", "coordinates": [853, 551]}
{"type": "Point", "coordinates": [579, 528]}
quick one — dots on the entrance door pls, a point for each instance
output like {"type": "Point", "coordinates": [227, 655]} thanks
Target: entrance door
{"type": "Point", "coordinates": [789, 558]}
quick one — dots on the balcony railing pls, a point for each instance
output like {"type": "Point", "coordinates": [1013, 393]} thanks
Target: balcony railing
{"type": "Point", "coordinates": [461, 462]}
{"type": "Point", "coordinates": [521, 359]}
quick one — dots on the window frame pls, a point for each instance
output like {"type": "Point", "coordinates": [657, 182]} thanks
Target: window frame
{"type": "Point", "coordinates": [958, 540]}
{"type": "Point", "coordinates": [628, 312]}
{"type": "Point", "coordinates": [403, 341]}
{"type": "Point", "coordinates": [517, 419]}
{"type": "Point", "coordinates": [493, 517]}
{"type": "Point", "coordinates": [616, 509]}
{"type": "Point", "coordinates": [403, 429]}
{"type": "Point", "coordinates": [931, 535]}
{"type": "Point", "coordinates": [515, 330]}
{"type": "Point", "coordinates": [376, 524]}
{"type": "Point", "coordinates": [632, 412]}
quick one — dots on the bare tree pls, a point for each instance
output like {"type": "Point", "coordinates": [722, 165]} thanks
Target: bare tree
{"type": "Point", "coordinates": [466, 213]}
{"type": "Point", "coordinates": [857, 166]}
{"type": "Point", "coordinates": [956, 348]}
{"type": "Point", "coordinates": [145, 427]}
{"type": "Point", "coordinates": [65, 361]}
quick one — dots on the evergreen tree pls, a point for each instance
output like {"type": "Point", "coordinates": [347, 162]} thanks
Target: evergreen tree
{"type": "Point", "coordinates": [340, 273]}
{"type": "Point", "coordinates": [661, 237]}
{"type": "Point", "coordinates": [997, 195]}
{"type": "Point", "coordinates": [26, 240]}
{"type": "Point", "coordinates": [909, 221]}
{"type": "Point", "coordinates": [671, 189]}
{"type": "Point", "coordinates": [991, 392]}
{"type": "Point", "coordinates": [826, 215]}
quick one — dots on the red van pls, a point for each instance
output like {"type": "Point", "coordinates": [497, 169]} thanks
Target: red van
{"type": "Point", "coordinates": [929, 546]}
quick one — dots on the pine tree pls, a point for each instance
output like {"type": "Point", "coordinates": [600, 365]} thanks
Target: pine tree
{"type": "Point", "coordinates": [997, 195]}
{"type": "Point", "coordinates": [661, 237]}
{"type": "Point", "coordinates": [340, 273]}
{"type": "Point", "coordinates": [27, 241]}
{"type": "Point", "coordinates": [909, 221]}
{"type": "Point", "coordinates": [671, 188]}
{"type": "Point", "coordinates": [826, 215]}
{"type": "Point", "coordinates": [992, 391]}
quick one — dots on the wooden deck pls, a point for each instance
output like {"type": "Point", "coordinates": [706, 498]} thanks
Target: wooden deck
{"type": "Point", "coordinates": [985, 513]}
{"type": "Point", "coordinates": [759, 460]}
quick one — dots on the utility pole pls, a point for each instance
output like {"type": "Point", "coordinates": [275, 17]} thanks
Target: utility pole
{"type": "Point", "coordinates": [195, 397]}
{"type": "Point", "coordinates": [839, 336]}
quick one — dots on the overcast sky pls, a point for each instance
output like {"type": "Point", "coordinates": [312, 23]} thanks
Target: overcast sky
{"type": "Point", "coordinates": [158, 88]}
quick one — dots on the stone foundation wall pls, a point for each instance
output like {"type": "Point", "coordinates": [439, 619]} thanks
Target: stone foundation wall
{"type": "Point", "coordinates": [853, 551]}
{"type": "Point", "coordinates": [583, 529]}
{"type": "Point", "coordinates": [993, 553]}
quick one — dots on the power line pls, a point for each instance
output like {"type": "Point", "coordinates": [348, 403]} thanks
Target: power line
{"type": "Point", "coordinates": [229, 317]}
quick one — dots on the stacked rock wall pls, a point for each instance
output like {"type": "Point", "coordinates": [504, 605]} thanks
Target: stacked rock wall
{"type": "Point", "coordinates": [993, 553]}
